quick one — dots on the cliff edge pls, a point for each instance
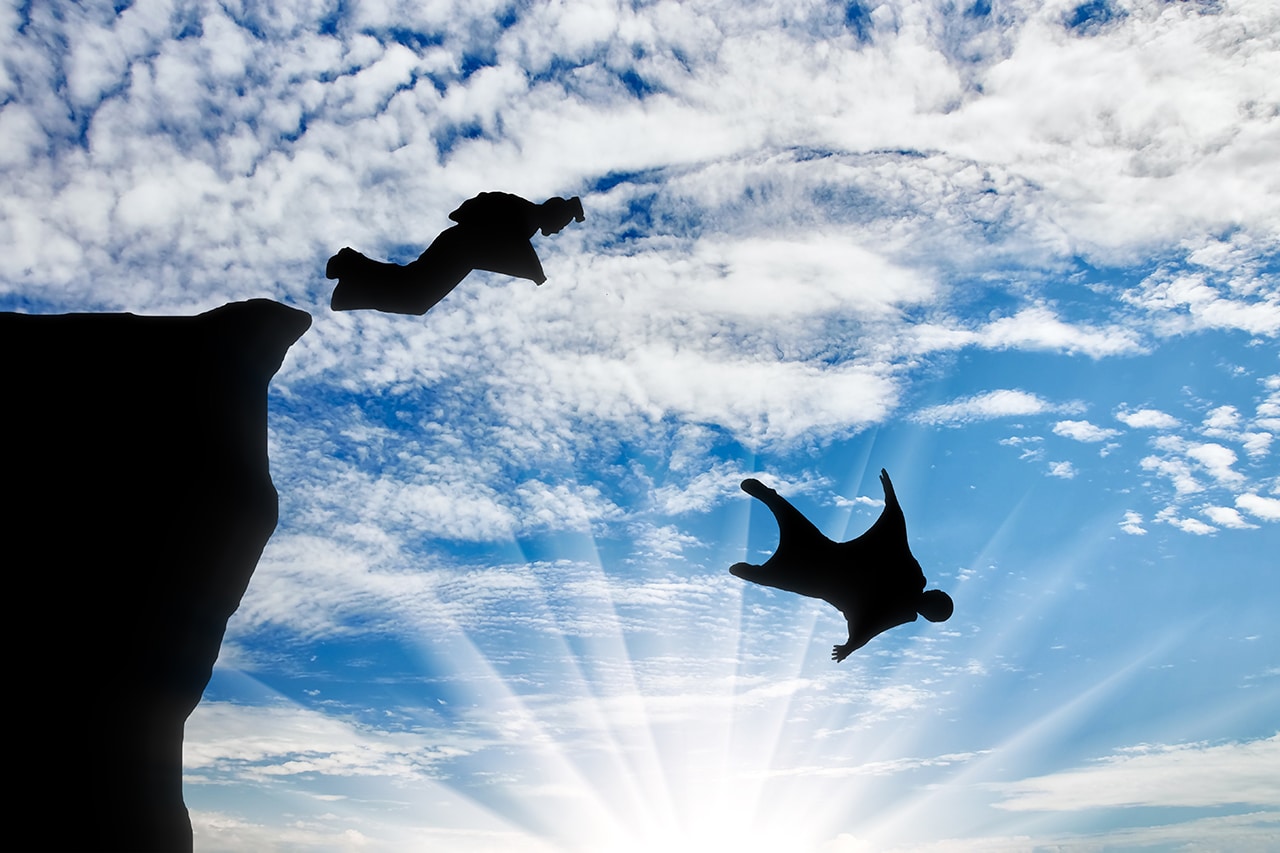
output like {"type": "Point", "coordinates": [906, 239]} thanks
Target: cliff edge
{"type": "Point", "coordinates": [139, 499]}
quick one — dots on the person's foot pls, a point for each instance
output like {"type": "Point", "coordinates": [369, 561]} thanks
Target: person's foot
{"type": "Point", "coordinates": [839, 653]}
{"type": "Point", "coordinates": [340, 262]}
{"type": "Point", "coordinates": [755, 488]}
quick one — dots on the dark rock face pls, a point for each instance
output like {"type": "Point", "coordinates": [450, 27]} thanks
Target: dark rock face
{"type": "Point", "coordinates": [133, 453]}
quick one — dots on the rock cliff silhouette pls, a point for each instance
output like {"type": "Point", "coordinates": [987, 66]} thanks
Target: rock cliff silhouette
{"type": "Point", "coordinates": [139, 501]}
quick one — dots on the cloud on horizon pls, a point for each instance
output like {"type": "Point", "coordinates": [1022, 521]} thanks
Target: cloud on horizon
{"type": "Point", "coordinates": [1183, 775]}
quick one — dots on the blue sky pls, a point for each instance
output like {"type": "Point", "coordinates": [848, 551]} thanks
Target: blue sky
{"type": "Point", "coordinates": [1025, 256]}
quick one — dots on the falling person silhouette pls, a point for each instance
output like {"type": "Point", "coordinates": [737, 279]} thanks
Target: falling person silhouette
{"type": "Point", "coordinates": [873, 580]}
{"type": "Point", "coordinates": [493, 233]}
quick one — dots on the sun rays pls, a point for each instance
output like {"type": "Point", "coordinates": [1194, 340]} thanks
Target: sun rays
{"type": "Point", "coordinates": [585, 698]}
{"type": "Point", "coordinates": [610, 687]}
{"type": "Point", "coordinates": [669, 742]}
{"type": "Point", "coordinates": [612, 708]}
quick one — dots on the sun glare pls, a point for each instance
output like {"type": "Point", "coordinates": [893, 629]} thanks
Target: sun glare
{"type": "Point", "coordinates": [678, 749]}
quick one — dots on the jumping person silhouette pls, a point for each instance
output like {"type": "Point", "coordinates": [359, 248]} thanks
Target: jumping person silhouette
{"type": "Point", "coordinates": [873, 580]}
{"type": "Point", "coordinates": [493, 233]}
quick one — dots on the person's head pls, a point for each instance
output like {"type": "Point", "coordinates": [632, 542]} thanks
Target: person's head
{"type": "Point", "coordinates": [935, 605]}
{"type": "Point", "coordinates": [555, 213]}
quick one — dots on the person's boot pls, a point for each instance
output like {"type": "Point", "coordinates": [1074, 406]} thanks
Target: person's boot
{"type": "Point", "coordinates": [340, 262]}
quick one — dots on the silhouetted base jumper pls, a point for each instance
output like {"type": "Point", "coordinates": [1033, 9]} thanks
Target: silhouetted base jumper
{"type": "Point", "coordinates": [873, 580]}
{"type": "Point", "coordinates": [493, 233]}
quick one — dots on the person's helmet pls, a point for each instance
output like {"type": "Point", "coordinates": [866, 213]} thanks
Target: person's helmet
{"type": "Point", "coordinates": [935, 605]}
{"type": "Point", "coordinates": [557, 211]}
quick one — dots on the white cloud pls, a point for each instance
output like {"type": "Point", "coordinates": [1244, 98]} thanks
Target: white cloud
{"type": "Point", "coordinates": [663, 542]}
{"type": "Point", "coordinates": [1225, 516]}
{"type": "Point", "coordinates": [1132, 523]}
{"type": "Point", "coordinates": [872, 768]}
{"type": "Point", "coordinates": [1083, 431]}
{"type": "Point", "coordinates": [20, 134]}
{"type": "Point", "coordinates": [1217, 460]}
{"type": "Point", "coordinates": [1257, 444]}
{"type": "Point", "coordinates": [1254, 832]}
{"type": "Point", "coordinates": [223, 740]}
{"type": "Point", "coordinates": [1034, 328]}
{"type": "Point", "coordinates": [1032, 447]}
{"type": "Point", "coordinates": [1170, 516]}
{"type": "Point", "coordinates": [1268, 509]}
{"type": "Point", "coordinates": [721, 481]}
{"type": "Point", "coordinates": [1178, 471]}
{"type": "Point", "coordinates": [1147, 419]}
{"type": "Point", "coordinates": [701, 491]}
{"type": "Point", "coordinates": [564, 506]}
{"type": "Point", "coordinates": [1189, 302]}
{"type": "Point", "coordinates": [992, 404]}
{"type": "Point", "coordinates": [336, 589]}
{"type": "Point", "coordinates": [860, 500]}
{"type": "Point", "coordinates": [1063, 470]}
{"type": "Point", "coordinates": [1159, 776]}
{"type": "Point", "coordinates": [817, 270]}
{"type": "Point", "coordinates": [1221, 421]}
{"type": "Point", "coordinates": [217, 832]}
{"type": "Point", "coordinates": [1039, 328]}
{"type": "Point", "coordinates": [760, 400]}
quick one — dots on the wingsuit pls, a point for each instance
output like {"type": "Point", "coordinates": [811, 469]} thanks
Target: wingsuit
{"type": "Point", "coordinates": [873, 580]}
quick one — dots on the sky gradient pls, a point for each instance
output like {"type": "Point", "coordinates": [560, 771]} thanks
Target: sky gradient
{"type": "Point", "coordinates": [1025, 256]}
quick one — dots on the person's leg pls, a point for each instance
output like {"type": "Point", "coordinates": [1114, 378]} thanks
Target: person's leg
{"type": "Point", "coordinates": [412, 289]}
{"type": "Point", "coordinates": [437, 271]}
{"type": "Point", "coordinates": [362, 282]}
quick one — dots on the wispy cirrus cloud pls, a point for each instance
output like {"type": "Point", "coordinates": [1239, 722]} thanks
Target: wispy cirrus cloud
{"type": "Point", "coordinates": [1182, 775]}
{"type": "Point", "coordinates": [1035, 328]}
{"type": "Point", "coordinates": [259, 743]}
{"type": "Point", "coordinates": [988, 405]}
{"type": "Point", "coordinates": [1252, 831]}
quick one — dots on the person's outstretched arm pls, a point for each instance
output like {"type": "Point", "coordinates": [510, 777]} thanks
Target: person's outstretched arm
{"type": "Point", "coordinates": [802, 562]}
{"type": "Point", "coordinates": [511, 257]}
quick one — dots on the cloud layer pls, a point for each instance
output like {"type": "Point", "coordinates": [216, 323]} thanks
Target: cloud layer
{"type": "Point", "coordinates": [1023, 254]}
